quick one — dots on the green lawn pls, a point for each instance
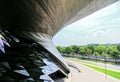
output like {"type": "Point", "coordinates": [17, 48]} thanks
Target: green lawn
{"type": "Point", "coordinates": [112, 73]}
{"type": "Point", "coordinates": [109, 72]}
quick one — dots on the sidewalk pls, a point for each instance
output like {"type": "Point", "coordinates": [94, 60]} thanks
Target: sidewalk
{"type": "Point", "coordinates": [88, 75]}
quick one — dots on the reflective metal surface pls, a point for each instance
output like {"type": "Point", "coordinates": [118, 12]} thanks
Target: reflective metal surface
{"type": "Point", "coordinates": [27, 53]}
{"type": "Point", "coordinates": [25, 61]}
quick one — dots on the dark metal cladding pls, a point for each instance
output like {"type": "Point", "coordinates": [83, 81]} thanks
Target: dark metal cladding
{"type": "Point", "coordinates": [27, 53]}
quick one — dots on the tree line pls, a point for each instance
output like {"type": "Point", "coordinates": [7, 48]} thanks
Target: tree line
{"type": "Point", "coordinates": [103, 50]}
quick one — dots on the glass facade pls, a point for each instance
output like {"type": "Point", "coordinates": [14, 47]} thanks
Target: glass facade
{"type": "Point", "coordinates": [22, 60]}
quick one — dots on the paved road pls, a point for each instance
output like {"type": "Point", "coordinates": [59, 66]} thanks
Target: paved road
{"type": "Point", "coordinates": [88, 74]}
{"type": "Point", "coordinates": [109, 66]}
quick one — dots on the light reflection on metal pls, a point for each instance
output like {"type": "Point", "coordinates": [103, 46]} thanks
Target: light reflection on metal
{"type": "Point", "coordinates": [2, 42]}
{"type": "Point", "coordinates": [26, 60]}
{"type": "Point", "coordinates": [24, 72]}
{"type": "Point", "coordinates": [48, 69]}
{"type": "Point", "coordinates": [46, 78]}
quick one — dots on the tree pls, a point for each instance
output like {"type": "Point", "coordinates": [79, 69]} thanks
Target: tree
{"type": "Point", "coordinates": [89, 50]}
{"type": "Point", "coordinates": [118, 47]}
{"type": "Point", "coordinates": [68, 50]}
{"type": "Point", "coordinates": [100, 49]}
{"type": "Point", "coordinates": [104, 54]}
{"type": "Point", "coordinates": [115, 54]}
{"type": "Point", "coordinates": [75, 49]}
{"type": "Point", "coordinates": [60, 49]}
{"type": "Point", "coordinates": [113, 51]}
{"type": "Point", "coordinates": [92, 48]}
{"type": "Point", "coordinates": [96, 55]}
{"type": "Point", "coordinates": [82, 51]}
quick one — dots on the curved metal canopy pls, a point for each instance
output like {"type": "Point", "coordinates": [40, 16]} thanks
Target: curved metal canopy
{"type": "Point", "coordinates": [40, 20]}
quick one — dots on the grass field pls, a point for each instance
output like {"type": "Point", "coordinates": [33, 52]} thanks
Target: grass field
{"type": "Point", "coordinates": [109, 72]}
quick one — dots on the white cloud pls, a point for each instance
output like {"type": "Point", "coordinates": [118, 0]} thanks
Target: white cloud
{"type": "Point", "coordinates": [100, 27]}
{"type": "Point", "coordinates": [102, 32]}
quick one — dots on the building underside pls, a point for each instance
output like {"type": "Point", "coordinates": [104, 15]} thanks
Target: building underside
{"type": "Point", "coordinates": [27, 53]}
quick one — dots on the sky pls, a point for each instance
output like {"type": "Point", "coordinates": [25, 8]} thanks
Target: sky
{"type": "Point", "coordinates": [100, 27]}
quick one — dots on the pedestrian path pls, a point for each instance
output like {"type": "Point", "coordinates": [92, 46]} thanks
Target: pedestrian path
{"type": "Point", "coordinates": [88, 74]}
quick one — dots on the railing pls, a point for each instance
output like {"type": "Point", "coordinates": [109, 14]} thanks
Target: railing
{"type": "Point", "coordinates": [108, 59]}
